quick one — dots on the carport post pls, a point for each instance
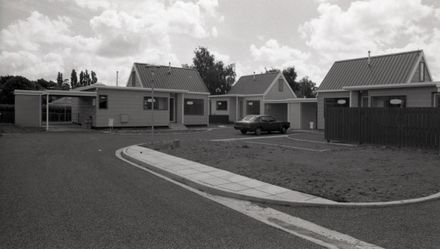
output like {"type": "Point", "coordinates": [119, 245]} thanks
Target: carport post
{"type": "Point", "coordinates": [47, 112]}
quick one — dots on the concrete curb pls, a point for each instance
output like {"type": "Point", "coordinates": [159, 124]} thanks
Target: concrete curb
{"type": "Point", "coordinates": [221, 192]}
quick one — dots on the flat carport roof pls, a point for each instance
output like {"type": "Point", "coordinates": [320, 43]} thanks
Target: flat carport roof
{"type": "Point", "coordinates": [59, 93]}
{"type": "Point", "coordinates": [56, 93]}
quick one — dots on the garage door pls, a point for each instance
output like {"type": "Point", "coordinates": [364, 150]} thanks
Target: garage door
{"type": "Point", "coordinates": [278, 111]}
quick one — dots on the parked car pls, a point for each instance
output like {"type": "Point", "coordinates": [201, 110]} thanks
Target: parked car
{"type": "Point", "coordinates": [259, 123]}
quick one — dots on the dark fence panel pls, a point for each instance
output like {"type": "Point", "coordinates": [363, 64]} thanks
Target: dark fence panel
{"type": "Point", "coordinates": [218, 119]}
{"type": "Point", "coordinates": [412, 127]}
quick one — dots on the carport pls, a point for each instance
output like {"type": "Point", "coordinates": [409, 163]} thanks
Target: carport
{"type": "Point", "coordinates": [300, 112]}
{"type": "Point", "coordinates": [29, 105]}
{"type": "Point", "coordinates": [277, 110]}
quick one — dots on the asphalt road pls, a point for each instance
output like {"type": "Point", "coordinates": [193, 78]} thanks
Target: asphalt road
{"type": "Point", "coordinates": [68, 190]}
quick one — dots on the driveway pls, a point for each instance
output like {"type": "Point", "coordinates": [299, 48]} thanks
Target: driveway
{"type": "Point", "coordinates": [68, 190]}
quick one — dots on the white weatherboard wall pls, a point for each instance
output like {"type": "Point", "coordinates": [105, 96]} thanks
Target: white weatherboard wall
{"type": "Point", "coordinates": [231, 111]}
{"type": "Point", "coordinates": [415, 97]}
{"type": "Point", "coordinates": [294, 115]}
{"type": "Point", "coordinates": [275, 94]}
{"type": "Point", "coordinates": [130, 103]}
{"type": "Point", "coordinates": [197, 119]}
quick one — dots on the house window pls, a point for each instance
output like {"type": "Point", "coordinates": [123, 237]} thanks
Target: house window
{"type": "Point", "coordinates": [221, 105]}
{"type": "Point", "coordinates": [336, 102]}
{"type": "Point", "coordinates": [364, 101]}
{"type": "Point", "coordinates": [422, 72]}
{"type": "Point", "coordinates": [103, 101]}
{"type": "Point", "coordinates": [253, 107]}
{"type": "Point", "coordinates": [437, 100]}
{"type": "Point", "coordinates": [280, 85]}
{"type": "Point", "coordinates": [160, 103]}
{"type": "Point", "coordinates": [194, 107]}
{"type": "Point", "coordinates": [388, 101]}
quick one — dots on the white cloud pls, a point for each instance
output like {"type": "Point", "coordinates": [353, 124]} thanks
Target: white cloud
{"type": "Point", "coordinates": [279, 56]}
{"type": "Point", "coordinates": [39, 46]}
{"type": "Point", "coordinates": [226, 59]}
{"type": "Point", "coordinates": [94, 4]}
{"type": "Point", "coordinates": [273, 52]}
{"type": "Point", "coordinates": [378, 25]}
{"type": "Point", "coordinates": [214, 32]}
{"type": "Point", "coordinates": [210, 6]}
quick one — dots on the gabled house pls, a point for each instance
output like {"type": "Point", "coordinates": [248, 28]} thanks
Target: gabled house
{"type": "Point", "coordinates": [391, 80]}
{"type": "Point", "coordinates": [264, 94]}
{"type": "Point", "coordinates": [180, 98]}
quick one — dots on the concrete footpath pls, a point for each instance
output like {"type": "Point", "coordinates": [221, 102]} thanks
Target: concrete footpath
{"type": "Point", "coordinates": [224, 183]}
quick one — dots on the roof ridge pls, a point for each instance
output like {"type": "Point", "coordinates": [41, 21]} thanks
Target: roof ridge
{"type": "Point", "coordinates": [382, 55]}
{"type": "Point", "coordinates": [164, 66]}
{"type": "Point", "coordinates": [259, 74]}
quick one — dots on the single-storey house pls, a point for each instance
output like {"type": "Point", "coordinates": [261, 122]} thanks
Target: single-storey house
{"type": "Point", "coordinates": [265, 94]}
{"type": "Point", "coordinates": [178, 96]}
{"type": "Point", "coordinates": [391, 80]}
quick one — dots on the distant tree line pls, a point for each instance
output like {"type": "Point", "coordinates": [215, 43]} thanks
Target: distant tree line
{"type": "Point", "coordinates": [219, 77]}
{"type": "Point", "coordinates": [9, 83]}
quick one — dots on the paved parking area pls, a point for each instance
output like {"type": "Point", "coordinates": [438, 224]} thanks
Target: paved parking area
{"type": "Point", "coordinates": [312, 141]}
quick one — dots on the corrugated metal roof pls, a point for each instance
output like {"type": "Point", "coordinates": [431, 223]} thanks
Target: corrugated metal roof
{"type": "Point", "coordinates": [253, 84]}
{"type": "Point", "coordinates": [383, 69]}
{"type": "Point", "coordinates": [166, 77]}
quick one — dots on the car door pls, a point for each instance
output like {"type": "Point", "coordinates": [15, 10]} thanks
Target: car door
{"type": "Point", "coordinates": [273, 124]}
{"type": "Point", "coordinates": [264, 123]}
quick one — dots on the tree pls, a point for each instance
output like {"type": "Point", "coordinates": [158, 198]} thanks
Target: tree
{"type": "Point", "coordinates": [14, 83]}
{"type": "Point", "coordinates": [217, 76]}
{"type": "Point", "coordinates": [60, 80]}
{"type": "Point", "coordinates": [74, 79]}
{"type": "Point", "coordinates": [87, 79]}
{"type": "Point", "coordinates": [44, 84]}
{"type": "Point", "coordinates": [307, 88]}
{"type": "Point", "coordinates": [81, 78]}
{"type": "Point", "coordinates": [94, 78]}
{"type": "Point", "coordinates": [290, 75]}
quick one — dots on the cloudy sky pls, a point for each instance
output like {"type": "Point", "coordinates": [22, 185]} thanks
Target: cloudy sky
{"type": "Point", "coordinates": [40, 38]}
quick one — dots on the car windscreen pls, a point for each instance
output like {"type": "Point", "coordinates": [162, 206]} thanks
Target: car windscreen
{"type": "Point", "coordinates": [250, 118]}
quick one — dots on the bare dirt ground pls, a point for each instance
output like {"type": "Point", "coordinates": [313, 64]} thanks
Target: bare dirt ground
{"type": "Point", "coordinates": [340, 173]}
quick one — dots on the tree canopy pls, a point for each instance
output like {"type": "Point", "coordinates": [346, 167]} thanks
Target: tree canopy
{"type": "Point", "coordinates": [11, 83]}
{"type": "Point", "coordinates": [217, 76]}
{"type": "Point", "coordinates": [302, 88]}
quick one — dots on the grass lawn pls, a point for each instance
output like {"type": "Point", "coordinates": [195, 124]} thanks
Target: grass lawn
{"type": "Point", "coordinates": [345, 174]}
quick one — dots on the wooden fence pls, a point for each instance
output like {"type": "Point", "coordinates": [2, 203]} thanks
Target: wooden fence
{"type": "Point", "coordinates": [412, 127]}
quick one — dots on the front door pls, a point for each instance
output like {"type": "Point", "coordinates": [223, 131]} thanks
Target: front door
{"type": "Point", "coordinates": [172, 113]}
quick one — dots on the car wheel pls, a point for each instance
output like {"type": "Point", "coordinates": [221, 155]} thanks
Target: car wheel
{"type": "Point", "coordinates": [283, 130]}
{"type": "Point", "coordinates": [243, 131]}
{"type": "Point", "coordinates": [258, 131]}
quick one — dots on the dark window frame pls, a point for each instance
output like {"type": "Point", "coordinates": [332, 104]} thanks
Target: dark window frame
{"type": "Point", "coordinates": [436, 100]}
{"type": "Point", "coordinates": [103, 101]}
{"type": "Point", "coordinates": [387, 100]}
{"type": "Point", "coordinates": [197, 108]}
{"type": "Point", "coordinates": [251, 109]}
{"type": "Point", "coordinates": [223, 105]}
{"type": "Point", "coordinates": [333, 102]}
{"type": "Point", "coordinates": [147, 104]}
